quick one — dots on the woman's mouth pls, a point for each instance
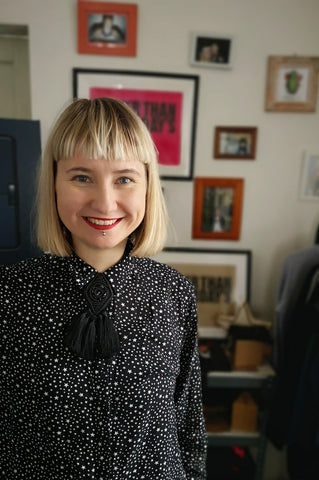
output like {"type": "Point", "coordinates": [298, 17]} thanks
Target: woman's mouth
{"type": "Point", "coordinates": [101, 223]}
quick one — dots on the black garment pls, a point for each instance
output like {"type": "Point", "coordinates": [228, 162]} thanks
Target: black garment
{"type": "Point", "coordinates": [137, 415]}
{"type": "Point", "coordinates": [294, 416]}
{"type": "Point", "coordinates": [293, 329]}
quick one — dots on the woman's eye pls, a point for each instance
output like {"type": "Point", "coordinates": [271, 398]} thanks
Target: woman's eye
{"type": "Point", "coordinates": [124, 180]}
{"type": "Point", "coordinates": [81, 178]}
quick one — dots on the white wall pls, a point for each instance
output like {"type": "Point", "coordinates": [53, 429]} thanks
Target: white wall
{"type": "Point", "coordinates": [275, 222]}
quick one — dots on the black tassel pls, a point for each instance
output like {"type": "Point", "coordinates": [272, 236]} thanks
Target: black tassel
{"type": "Point", "coordinates": [92, 335]}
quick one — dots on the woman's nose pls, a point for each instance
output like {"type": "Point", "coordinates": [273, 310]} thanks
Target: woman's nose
{"type": "Point", "coordinates": [105, 199]}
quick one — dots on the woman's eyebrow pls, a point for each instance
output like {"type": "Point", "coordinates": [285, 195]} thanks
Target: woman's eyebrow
{"type": "Point", "coordinates": [126, 171]}
{"type": "Point", "coordinates": [79, 168]}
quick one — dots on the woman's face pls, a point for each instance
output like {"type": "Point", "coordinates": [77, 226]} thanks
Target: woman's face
{"type": "Point", "coordinates": [100, 202]}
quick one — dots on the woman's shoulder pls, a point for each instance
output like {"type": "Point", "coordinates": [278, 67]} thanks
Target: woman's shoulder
{"type": "Point", "coordinates": [163, 271]}
{"type": "Point", "coordinates": [27, 269]}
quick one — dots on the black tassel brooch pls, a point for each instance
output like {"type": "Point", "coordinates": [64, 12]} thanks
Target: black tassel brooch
{"type": "Point", "coordinates": [91, 335]}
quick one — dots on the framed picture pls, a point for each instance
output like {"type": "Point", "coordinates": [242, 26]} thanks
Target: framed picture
{"type": "Point", "coordinates": [221, 278]}
{"type": "Point", "coordinates": [166, 102]}
{"type": "Point", "coordinates": [235, 143]}
{"type": "Point", "coordinates": [217, 208]}
{"type": "Point", "coordinates": [309, 186]}
{"type": "Point", "coordinates": [292, 84]}
{"type": "Point", "coordinates": [211, 50]}
{"type": "Point", "coordinates": [107, 28]}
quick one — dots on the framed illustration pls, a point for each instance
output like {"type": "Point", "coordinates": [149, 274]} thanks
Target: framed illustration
{"type": "Point", "coordinates": [221, 278]}
{"type": "Point", "coordinates": [309, 185]}
{"type": "Point", "coordinates": [211, 50]}
{"type": "Point", "coordinates": [166, 102]}
{"type": "Point", "coordinates": [217, 208]}
{"type": "Point", "coordinates": [235, 143]}
{"type": "Point", "coordinates": [292, 84]}
{"type": "Point", "coordinates": [107, 28]}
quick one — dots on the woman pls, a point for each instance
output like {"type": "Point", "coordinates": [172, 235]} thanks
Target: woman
{"type": "Point", "coordinates": [101, 378]}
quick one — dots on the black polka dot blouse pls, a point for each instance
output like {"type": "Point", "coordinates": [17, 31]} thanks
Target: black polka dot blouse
{"type": "Point", "coordinates": [133, 413]}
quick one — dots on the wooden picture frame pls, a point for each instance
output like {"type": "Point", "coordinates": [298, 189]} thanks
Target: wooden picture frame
{"type": "Point", "coordinates": [211, 50]}
{"type": "Point", "coordinates": [235, 143]}
{"type": "Point", "coordinates": [292, 84]}
{"type": "Point", "coordinates": [166, 102]}
{"type": "Point", "coordinates": [107, 28]}
{"type": "Point", "coordinates": [218, 276]}
{"type": "Point", "coordinates": [217, 208]}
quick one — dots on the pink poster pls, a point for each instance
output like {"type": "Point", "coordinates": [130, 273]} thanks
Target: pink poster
{"type": "Point", "coordinates": [162, 113]}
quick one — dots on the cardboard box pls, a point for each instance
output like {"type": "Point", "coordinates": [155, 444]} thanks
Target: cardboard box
{"type": "Point", "coordinates": [248, 354]}
{"type": "Point", "coordinates": [244, 413]}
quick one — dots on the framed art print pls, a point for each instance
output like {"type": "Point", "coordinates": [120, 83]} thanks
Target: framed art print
{"type": "Point", "coordinates": [219, 276]}
{"type": "Point", "coordinates": [309, 187]}
{"type": "Point", "coordinates": [235, 143]}
{"type": "Point", "coordinates": [211, 50]}
{"type": "Point", "coordinates": [292, 84]}
{"type": "Point", "coordinates": [217, 208]}
{"type": "Point", "coordinates": [107, 28]}
{"type": "Point", "coordinates": [166, 102]}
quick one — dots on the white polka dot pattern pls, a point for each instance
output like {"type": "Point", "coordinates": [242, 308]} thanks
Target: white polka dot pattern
{"type": "Point", "coordinates": [136, 416]}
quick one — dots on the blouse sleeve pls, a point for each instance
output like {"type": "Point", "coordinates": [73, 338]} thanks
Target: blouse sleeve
{"type": "Point", "coordinates": [188, 399]}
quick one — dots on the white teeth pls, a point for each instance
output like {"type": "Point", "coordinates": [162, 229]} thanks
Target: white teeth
{"type": "Point", "coordinates": [101, 222]}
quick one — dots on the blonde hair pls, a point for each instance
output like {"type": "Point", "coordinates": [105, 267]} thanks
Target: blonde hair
{"type": "Point", "coordinates": [107, 128]}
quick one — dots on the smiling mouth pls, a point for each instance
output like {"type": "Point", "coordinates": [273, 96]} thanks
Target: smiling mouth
{"type": "Point", "coordinates": [101, 224]}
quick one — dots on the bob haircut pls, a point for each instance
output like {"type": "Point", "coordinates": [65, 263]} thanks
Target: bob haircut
{"type": "Point", "coordinates": [100, 128]}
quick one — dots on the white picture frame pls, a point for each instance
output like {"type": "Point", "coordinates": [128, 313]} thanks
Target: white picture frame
{"type": "Point", "coordinates": [211, 50]}
{"type": "Point", "coordinates": [309, 184]}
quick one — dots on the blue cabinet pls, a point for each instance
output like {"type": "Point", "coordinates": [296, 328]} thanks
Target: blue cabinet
{"type": "Point", "coordinates": [20, 152]}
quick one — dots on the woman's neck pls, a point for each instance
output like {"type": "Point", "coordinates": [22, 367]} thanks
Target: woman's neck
{"type": "Point", "coordinates": [102, 259]}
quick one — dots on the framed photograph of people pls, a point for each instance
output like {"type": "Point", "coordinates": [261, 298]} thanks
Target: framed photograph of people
{"type": "Point", "coordinates": [309, 185]}
{"type": "Point", "coordinates": [211, 50]}
{"type": "Point", "coordinates": [217, 208]}
{"type": "Point", "coordinates": [235, 143]}
{"type": "Point", "coordinates": [166, 102]}
{"type": "Point", "coordinates": [292, 84]}
{"type": "Point", "coordinates": [222, 280]}
{"type": "Point", "coordinates": [107, 28]}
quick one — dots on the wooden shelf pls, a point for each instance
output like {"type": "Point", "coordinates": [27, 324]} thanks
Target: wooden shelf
{"type": "Point", "coordinates": [240, 379]}
{"type": "Point", "coordinates": [233, 437]}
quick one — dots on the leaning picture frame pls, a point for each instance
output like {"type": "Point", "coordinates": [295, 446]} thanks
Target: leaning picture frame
{"type": "Point", "coordinates": [309, 183]}
{"type": "Point", "coordinates": [217, 208]}
{"type": "Point", "coordinates": [211, 50]}
{"type": "Point", "coordinates": [222, 279]}
{"type": "Point", "coordinates": [235, 143]}
{"type": "Point", "coordinates": [166, 102]}
{"type": "Point", "coordinates": [292, 84]}
{"type": "Point", "coordinates": [107, 28]}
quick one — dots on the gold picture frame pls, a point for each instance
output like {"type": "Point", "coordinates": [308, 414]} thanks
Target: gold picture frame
{"type": "Point", "coordinates": [292, 84]}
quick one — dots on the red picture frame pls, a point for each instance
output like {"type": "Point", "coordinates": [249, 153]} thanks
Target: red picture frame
{"type": "Point", "coordinates": [107, 28]}
{"type": "Point", "coordinates": [217, 208]}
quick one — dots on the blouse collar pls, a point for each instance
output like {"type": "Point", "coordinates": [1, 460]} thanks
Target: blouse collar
{"type": "Point", "coordinates": [84, 273]}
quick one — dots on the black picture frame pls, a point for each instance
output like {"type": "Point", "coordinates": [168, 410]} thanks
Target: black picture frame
{"type": "Point", "coordinates": [172, 97]}
{"type": "Point", "coordinates": [232, 267]}
{"type": "Point", "coordinates": [193, 254]}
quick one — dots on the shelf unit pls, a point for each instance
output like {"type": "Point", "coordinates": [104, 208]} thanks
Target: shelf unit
{"type": "Point", "coordinates": [262, 379]}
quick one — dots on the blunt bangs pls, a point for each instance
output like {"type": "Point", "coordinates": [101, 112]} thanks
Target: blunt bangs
{"type": "Point", "coordinates": [96, 130]}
